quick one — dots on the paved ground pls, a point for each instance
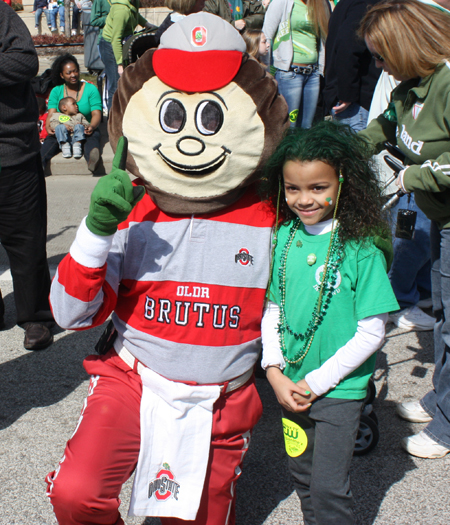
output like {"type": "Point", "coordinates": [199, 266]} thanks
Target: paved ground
{"type": "Point", "coordinates": [41, 395]}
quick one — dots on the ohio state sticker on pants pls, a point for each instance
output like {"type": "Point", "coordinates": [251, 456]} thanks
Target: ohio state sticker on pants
{"type": "Point", "coordinates": [295, 438]}
{"type": "Point", "coordinates": [176, 424]}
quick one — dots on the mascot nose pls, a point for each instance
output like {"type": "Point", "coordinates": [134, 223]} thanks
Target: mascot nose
{"type": "Point", "coordinates": [190, 146]}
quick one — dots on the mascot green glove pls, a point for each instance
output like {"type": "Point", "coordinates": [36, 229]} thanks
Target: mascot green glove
{"type": "Point", "coordinates": [114, 196]}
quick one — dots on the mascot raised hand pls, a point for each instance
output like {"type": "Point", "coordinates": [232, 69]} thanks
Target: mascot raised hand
{"type": "Point", "coordinates": [180, 258]}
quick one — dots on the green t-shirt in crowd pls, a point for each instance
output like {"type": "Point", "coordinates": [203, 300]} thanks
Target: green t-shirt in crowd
{"type": "Point", "coordinates": [89, 101]}
{"type": "Point", "coordinates": [304, 39]}
{"type": "Point", "coordinates": [362, 289]}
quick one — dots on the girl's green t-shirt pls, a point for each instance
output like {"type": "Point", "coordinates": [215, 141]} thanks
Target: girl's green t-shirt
{"type": "Point", "coordinates": [89, 101]}
{"type": "Point", "coordinates": [362, 289]}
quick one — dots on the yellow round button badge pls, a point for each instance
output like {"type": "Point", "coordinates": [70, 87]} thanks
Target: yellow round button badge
{"type": "Point", "coordinates": [295, 438]}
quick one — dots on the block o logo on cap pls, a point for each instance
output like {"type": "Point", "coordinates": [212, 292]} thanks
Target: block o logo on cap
{"type": "Point", "coordinates": [199, 36]}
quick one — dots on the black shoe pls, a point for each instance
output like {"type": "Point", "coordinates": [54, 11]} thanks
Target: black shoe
{"type": "Point", "coordinates": [37, 337]}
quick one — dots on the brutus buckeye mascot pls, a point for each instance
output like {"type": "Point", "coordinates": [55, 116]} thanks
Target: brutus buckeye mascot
{"type": "Point", "coordinates": [180, 257]}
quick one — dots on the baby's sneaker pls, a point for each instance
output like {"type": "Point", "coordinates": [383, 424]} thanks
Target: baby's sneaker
{"type": "Point", "coordinates": [66, 150]}
{"type": "Point", "coordinates": [77, 150]}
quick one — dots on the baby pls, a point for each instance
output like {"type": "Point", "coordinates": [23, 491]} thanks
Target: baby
{"type": "Point", "coordinates": [69, 127]}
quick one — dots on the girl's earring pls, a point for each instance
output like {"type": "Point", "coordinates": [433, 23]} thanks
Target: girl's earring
{"type": "Point", "coordinates": [341, 177]}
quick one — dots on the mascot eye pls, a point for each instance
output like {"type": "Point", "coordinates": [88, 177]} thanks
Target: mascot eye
{"type": "Point", "coordinates": [172, 116]}
{"type": "Point", "coordinates": [209, 117]}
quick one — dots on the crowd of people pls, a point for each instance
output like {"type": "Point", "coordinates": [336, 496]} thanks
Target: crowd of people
{"type": "Point", "coordinates": [290, 89]}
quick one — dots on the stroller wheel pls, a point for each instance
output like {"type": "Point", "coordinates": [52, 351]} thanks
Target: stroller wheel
{"type": "Point", "coordinates": [371, 392]}
{"type": "Point", "coordinates": [367, 437]}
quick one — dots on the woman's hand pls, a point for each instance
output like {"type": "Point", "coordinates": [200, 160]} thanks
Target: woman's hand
{"type": "Point", "coordinates": [239, 24]}
{"type": "Point", "coordinates": [342, 106]}
{"type": "Point", "coordinates": [96, 118]}
{"type": "Point", "coordinates": [399, 181]}
{"type": "Point", "coordinates": [120, 69]}
{"type": "Point", "coordinates": [285, 390]}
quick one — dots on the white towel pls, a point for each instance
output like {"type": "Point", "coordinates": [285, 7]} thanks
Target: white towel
{"type": "Point", "coordinates": [176, 423]}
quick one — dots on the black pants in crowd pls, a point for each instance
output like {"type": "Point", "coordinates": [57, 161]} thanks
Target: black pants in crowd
{"type": "Point", "coordinates": [23, 234]}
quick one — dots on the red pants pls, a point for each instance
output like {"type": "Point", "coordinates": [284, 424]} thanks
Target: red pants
{"type": "Point", "coordinates": [103, 451]}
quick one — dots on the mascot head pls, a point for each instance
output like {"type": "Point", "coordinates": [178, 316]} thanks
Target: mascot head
{"type": "Point", "coordinates": [201, 117]}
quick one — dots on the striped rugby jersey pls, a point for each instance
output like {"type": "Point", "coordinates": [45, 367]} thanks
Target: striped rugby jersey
{"type": "Point", "coordinates": [186, 292]}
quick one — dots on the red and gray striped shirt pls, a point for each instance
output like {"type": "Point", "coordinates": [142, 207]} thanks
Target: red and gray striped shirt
{"type": "Point", "coordinates": [186, 292]}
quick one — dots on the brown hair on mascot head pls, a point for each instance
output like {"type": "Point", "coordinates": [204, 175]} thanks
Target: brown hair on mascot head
{"type": "Point", "coordinates": [201, 116]}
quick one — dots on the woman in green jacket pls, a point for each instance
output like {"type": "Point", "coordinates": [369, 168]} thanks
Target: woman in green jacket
{"type": "Point", "coordinates": [120, 23]}
{"type": "Point", "coordinates": [410, 41]}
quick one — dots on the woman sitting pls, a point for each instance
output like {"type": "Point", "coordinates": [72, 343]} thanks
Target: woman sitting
{"type": "Point", "coordinates": [66, 77]}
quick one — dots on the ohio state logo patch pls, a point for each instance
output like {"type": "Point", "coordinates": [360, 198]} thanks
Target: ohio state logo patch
{"type": "Point", "coordinates": [243, 257]}
{"type": "Point", "coordinates": [164, 486]}
{"type": "Point", "coordinates": [199, 36]}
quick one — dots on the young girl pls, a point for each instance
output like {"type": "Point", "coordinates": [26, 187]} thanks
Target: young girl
{"type": "Point", "coordinates": [257, 43]}
{"type": "Point", "coordinates": [329, 302]}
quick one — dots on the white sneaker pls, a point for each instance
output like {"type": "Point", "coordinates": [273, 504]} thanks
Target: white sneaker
{"type": "Point", "coordinates": [74, 32]}
{"type": "Point", "coordinates": [53, 29]}
{"type": "Point", "coordinates": [422, 446]}
{"type": "Point", "coordinates": [66, 150]}
{"type": "Point", "coordinates": [412, 319]}
{"type": "Point", "coordinates": [413, 411]}
{"type": "Point", "coordinates": [425, 303]}
{"type": "Point", "coordinates": [77, 150]}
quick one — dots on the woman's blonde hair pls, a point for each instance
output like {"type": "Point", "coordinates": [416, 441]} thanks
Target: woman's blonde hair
{"type": "Point", "coordinates": [252, 38]}
{"type": "Point", "coordinates": [319, 14]}
{"type": "Point", "coordinates": [413, 38]}
{"type": "Point", "coordinates": [184, 7]}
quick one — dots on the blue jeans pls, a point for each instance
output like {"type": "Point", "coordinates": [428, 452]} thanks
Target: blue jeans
{"type": "Point", "coordinates": [112, 73]}
{"type": "Point", "coordinates": [38, 14]}
{"type": "Point", "coordinates": [301, 93]}
{"type": "Point", "coordinates": [437, 401]}
{"type": "Point", "coordinates": [355, 116]}
{"type": "Point", "coordinates": [410, 273]}
{"type": "Point", "coordinates": [62, 17]}
{"type": "Point", "coordinates": [62, 135]}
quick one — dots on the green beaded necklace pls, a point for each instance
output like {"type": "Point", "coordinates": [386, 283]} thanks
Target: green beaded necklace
{"type": "Point", "coordinates": [332, 262]}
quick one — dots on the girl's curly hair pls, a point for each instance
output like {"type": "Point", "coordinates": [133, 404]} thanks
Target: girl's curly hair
{"type": "Point", "coordinates": [359, 209]}
{"type": "Point", "coordinates": [58, 65]}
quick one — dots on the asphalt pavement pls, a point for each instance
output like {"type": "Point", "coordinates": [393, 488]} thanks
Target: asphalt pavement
{"type": "Point", "coordinates": [42, 393]}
